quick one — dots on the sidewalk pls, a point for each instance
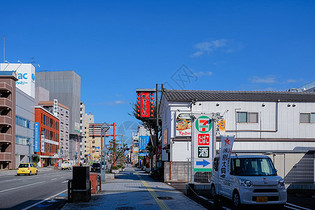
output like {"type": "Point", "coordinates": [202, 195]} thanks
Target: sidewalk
{"type": "Point", "coordinates": [135, 189]}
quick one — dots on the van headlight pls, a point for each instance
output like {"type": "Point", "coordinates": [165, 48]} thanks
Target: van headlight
{"type": "Point", "coordinates": [245, 183]}
{"type": "Point", "coordinates": [281, 183]}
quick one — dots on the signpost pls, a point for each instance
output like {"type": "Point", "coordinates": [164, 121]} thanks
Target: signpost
{"type": "Point", "coordinates": [202, 144]}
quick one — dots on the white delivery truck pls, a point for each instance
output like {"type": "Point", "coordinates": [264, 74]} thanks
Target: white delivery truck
{"type": "Point", "coordinates": [252, 180]}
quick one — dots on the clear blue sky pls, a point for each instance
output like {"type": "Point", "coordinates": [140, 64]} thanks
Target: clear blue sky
{"type": "Point", "coordinates": [119, 46]}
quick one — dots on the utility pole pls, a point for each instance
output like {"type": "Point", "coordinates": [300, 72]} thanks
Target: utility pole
{"type": "Point", "coordinates": [104, 128]}
{"type": "Point", "coordinates": [114, 142]}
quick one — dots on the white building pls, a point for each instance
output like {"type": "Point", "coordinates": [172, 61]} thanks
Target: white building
{"type": "Point", "coordinates": [26, 76]}
{"type": "Point", "coordinates": [279, 124]}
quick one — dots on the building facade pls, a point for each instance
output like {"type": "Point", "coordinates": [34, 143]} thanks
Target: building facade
{"type": "Point", "coordinates": [24, 129]}
{"type": "Point", "coordinates": [66, 87]}
{"type": "Point", "coordinates": [47, 145]}
{"type": "Point", "coordinates": [63, 113]}
{"type": "Point", "coordinates": [7, 119]}
{"type": "Point", "coordinates": [89, 119]}
{"type": "Point", "coordinates": [278, 124]}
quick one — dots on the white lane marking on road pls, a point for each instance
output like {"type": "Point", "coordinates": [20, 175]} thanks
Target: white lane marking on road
{"type": "Point", "coordinates": [10, 180]}
{"type": "Point", "coordinates": [296, 206]}
{"type": "Point", "coordinates": [289, 207]}
{"type": "Point", "coordinates": [35, 204]}
{"type": "Point", "coordinates": [14, 188]}
{"type": "Point", "coordinates": [54, 179]}
{"type": "Point", "coordinates": [64, 181]}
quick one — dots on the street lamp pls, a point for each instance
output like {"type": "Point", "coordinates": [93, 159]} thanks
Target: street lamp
{"type": "Point", "coordinates": [104, 128]}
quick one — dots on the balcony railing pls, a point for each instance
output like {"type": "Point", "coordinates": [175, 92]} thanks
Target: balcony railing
{"type": "Point", "coordinates": [5, 120]}
{"type": "Point", "coordinates": [5, 137]}
{"type": "Point", "coordinates": [5, 86]}
{"type": "Point", "coordinates": [5, 156]}
{"type": "Point", "coordinates": [5, 102]}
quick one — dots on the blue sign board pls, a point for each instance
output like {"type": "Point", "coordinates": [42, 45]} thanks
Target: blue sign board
{"type": "Point", "coordinates": [143, 142]}
{"type": "Point", "coordinates": [143, 154]}
{"type": "Point", "coordinates": [36, 137]}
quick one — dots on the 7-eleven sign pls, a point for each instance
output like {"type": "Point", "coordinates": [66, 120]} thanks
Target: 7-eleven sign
{"type": "Point", "coordinates": [203, 124]}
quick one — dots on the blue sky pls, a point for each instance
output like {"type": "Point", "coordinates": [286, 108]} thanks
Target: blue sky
{"type": "Point", "coordinates": [119, 46]}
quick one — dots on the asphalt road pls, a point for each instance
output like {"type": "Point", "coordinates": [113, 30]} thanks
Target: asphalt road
{"type": "Point", "coordinates": [34, 192]}
{"type": "Point", "coordinates": [295, 201]}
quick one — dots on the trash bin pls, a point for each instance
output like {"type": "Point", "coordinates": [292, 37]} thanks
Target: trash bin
{"type": "Point", "coordinates": [95, 183]}
{"type": "Point", "coordinates": [79, 188]}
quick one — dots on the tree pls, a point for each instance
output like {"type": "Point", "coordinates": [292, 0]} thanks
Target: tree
{"type": "Point", "coordinates": [118, 152]}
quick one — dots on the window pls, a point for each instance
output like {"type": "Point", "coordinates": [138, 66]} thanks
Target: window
{"type": "Point", "coordinates": [22, 140]}
{"type": "Point", "coordinates": [22, 122]}
{"type": "Point", "coordinates": [247, 117]}
{"type": "Point", "coordinates": [307, 117]}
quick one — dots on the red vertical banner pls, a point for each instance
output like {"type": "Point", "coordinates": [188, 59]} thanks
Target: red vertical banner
{"type": "Point", "coordinates": [145, 104]}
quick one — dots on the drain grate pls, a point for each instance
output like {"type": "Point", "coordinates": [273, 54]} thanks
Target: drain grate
{"type": "Point", "coordinates": [125, 208]}
{"type": "Point", "coordinates": [165, 198]}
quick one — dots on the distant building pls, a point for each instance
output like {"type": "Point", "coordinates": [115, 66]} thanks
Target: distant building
{"type": "Point", "coordinates": [66, 87]}
{"type": "Point", "coordinates": [7, 119]}
{"type": "Point", "coordinates": [41, 94]}
{"type": "Point", "coordinates": [24, 129]}
{"type": "Point", "coordinates": [63, 113]}
{"type": "Point", "coordinates": [92, 142]}
{"type": "Point", "coordinates": [135, 149]}
{"type": "Point", "coordinates": [47, 145]}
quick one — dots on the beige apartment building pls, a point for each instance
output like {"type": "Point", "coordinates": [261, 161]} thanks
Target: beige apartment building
{"type": "Point", "coordinates": [92, 142]}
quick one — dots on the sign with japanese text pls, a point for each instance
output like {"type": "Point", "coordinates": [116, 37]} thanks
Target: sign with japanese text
{"type": "Point", "coordinates": [221, 125]}
{"type": "Point", "coordinates": [143, 142]}
{"type": "Point", "coordinates": [202, 143]}
{"type": "Point", "coordinates": [145, 104]}
{"type": "Point", "coordinates": [42, 143]}
{"type": "Point", "coordinates": [203, 139]}
{"type": "Point", "coordinates": [203, 152]}
{"type": "Point", "coordinates": [225, 155]}
{"type": "Point", "coordinates": [36, 137]}
{"type": "Point", "coordinates": [183, 125]}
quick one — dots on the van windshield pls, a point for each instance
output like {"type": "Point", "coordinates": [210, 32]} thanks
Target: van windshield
{"type": "Point", "coordinates": [252, 167]}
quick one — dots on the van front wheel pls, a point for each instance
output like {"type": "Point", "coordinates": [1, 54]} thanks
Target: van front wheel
{"type": "Point", "coordinates": [236, 199]}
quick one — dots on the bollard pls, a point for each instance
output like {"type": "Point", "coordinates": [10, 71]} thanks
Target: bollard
{"type": "Point", "coordinates": [96, 183]}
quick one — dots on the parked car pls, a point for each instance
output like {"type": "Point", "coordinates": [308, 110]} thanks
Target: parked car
{"type": "Point", "coordinates": [65, 165]}
{"type": "Point", "coordinates": [252, 180]}
{"type": "Point", "coordinates": [26, 169]}
{"type": "Point", "coordinates": [96, 167]}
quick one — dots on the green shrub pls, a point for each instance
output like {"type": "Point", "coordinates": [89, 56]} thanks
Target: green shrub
{"type": "Point", "coordinates": [115, 167]}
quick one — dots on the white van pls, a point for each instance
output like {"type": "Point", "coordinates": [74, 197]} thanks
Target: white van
{"type": "Point", "coordinates": [66, 165]}
{"type": "Point", "coordinates": [252, 180]}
